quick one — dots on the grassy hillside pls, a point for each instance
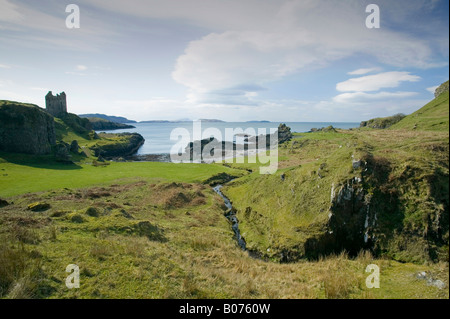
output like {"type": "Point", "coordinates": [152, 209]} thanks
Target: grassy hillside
{"type": "Point", "coordinates": [432, 117]}
{"type": "Point", "coordinates": [384, 190]}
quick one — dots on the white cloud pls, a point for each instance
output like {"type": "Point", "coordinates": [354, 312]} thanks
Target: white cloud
{"type": "Point", "coordinates": [432, 89]}
{"type": "Point", "coordinates": [4, 66]}
{"type": "Point", "coordinates": [376, 82]}
{"type": "Point", "coordinates": [361, 97]}
{"type": "Point", "coordinates": [10, 12]}
{"type": "Point", "coordinates": [81, 67]}
{"type": "Point", "coordinates": [43, 90]}
{"type": "Point", "coordinates": [33, 24]}
{"type": "Point", "coordinates": [363, 71]}
{"type": "Point", "coordinates": [299, 35]}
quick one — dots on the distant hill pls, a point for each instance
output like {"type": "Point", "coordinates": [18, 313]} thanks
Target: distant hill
{"type": "Point", "coordinates": [99, 124]}
{"type": "Point", "coordinates": [257, 122]}
{"type": "Point", "coordinates": [156, 121]}
{"type": "Point", "coordinates": [211, 121]}
{"type": "Point", "coordinates": [116, 119]}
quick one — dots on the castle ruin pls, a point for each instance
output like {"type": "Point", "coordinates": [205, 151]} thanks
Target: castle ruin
{"type": "Point", "coordinates": [56, 105]}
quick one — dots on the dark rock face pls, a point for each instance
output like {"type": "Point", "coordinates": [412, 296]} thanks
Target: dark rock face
{"type": "Point", "coordinates": [26, 129]}
{"type": "Point", "coordinates": [74, 147]}
{"type": "Point", "coordinates": [284, 135]}
{"type": "Point", "coordinates": [349, 222]}
{"type": "Point", "coordinates": [196, 149]}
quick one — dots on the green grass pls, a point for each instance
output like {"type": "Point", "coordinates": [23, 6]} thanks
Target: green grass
{"type": "Point", "coordinates": [21, 174]}
{"type": "Point", "coordinates": [432, 117]}
{"type": "Point", "coordinates": [186, 250]}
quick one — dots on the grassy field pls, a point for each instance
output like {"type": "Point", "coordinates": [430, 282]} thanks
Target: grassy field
{"type": "Point", "coordinates": [21, 174]}
{"type": "Point", "coordinates": [168, 240]}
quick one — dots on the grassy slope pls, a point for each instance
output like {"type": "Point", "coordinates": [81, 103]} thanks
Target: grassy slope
{"type": "Point", "coordinates": [278, 216]}
{"type": "Point", "coordinates": [432, 117]}
{"type": "Point", "coordinates": [287, 213]}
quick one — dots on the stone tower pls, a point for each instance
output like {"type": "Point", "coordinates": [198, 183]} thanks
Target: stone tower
{"type": "Point", "coordinates": [56, 105]}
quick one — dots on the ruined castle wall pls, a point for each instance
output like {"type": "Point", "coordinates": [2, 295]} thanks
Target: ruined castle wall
{"type": "Point", "coordinates": [56, 105]}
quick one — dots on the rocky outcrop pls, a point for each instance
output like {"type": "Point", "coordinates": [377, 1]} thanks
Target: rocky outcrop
{"type": "Point", "coordinates": [349, 223]}
{"type": "Point", "coordinates": [74, 147]}
{"type": "Point", "coordinates": [284, 135]}
{"type": "Point", "coordinates": [62, 152]}
{"type": "Point", "coordinates": [26, 128]}
{"type": "Point", "coordinates": [441, 89]}
{"type": "Point", "coordinates": [119, 145]}
{"type": "Point", "coordinates": [328, 129]}
{"type": "Point", "coordinates": [196, 150]}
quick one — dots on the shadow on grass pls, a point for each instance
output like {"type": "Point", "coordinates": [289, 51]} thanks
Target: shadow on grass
{"type": "Point", "coordinates": [37, 161]}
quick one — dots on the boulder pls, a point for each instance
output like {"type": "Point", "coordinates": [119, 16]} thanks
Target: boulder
{"type": "Point", "coordinates": [62, 152]}
{"type": "Point", "coordinates": [3, 203]}
{"type": "Point", "coordinates": [74, 147]}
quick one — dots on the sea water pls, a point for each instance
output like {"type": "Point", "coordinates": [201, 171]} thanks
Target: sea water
{"type": "Point", "coordinates": [157, 135]}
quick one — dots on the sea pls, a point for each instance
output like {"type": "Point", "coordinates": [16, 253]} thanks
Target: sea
{"type": "Point", "coordinates": [163, 138]}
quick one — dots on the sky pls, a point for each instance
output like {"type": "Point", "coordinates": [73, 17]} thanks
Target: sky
{"type": "Point", "coordinates": [234, 60]}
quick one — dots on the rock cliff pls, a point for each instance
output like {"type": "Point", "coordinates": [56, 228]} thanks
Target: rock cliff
{"type": "Point", "coordinates": [25, 128]}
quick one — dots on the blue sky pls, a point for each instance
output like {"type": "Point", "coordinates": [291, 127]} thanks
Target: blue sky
{"type": "Point", "coordinates": [235, 60]}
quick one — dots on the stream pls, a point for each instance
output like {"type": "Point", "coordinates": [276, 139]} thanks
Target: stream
{"type": "Point", "coordinates": [231, 216]}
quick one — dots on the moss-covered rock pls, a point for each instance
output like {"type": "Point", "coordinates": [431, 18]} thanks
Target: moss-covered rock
{"type": "Point", "coordinates": [115, 145]}
{"type": "Point", "coordinates": [92, 211]}
{"type": "Point", "coordinates": [76, 218]}
{"type": "Point", "coordinates": [383, 122]}
{"type": "Point", "coordinates": [39, 207]}
{"type": "Point", "coordinates": [26, 128]}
